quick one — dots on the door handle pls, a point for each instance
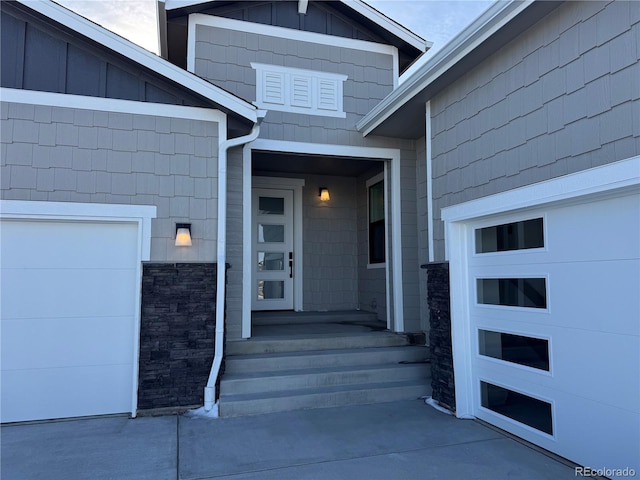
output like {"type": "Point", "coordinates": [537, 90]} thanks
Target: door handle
{"type": "Point", "coordinates": [290, 264]}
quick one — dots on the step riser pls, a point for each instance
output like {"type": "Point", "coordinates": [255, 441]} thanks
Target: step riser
{"type": "Point", "coordinates": [295, 382]}
{"type": "Point", "coordinates": [356, 358]}
{"type": "Point", "coordinates": [252, 347]}
{"type": "Point", "coordinates": [322, 400]}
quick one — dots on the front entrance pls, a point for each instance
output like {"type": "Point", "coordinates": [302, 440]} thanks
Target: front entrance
{"type": "Point", "coordinates": [272, 249]}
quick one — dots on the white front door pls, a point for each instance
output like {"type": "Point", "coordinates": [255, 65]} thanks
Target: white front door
{"type": "Point", "coordinates": [272, 249]}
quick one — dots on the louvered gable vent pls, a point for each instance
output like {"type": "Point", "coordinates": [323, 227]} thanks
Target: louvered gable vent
{"type": "Point", "coordinates": [299, 91]}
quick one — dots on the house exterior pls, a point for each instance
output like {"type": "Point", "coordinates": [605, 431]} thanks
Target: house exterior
{"type": "Point", "coordinates": [529, 137]}
{"type": "Point", "coordinates": [507, 165]}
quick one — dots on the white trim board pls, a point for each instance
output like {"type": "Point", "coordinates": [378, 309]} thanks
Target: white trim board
{"type": "Point", "coordinates": [64, 100]}
{"type": "Point", "coordinates": [364, 153]}
{"type": "Point", "coordinates": [143, 57]}
{"type": "Point", "coordinates": [612, 178]}
{"type": "Point", "coordinates": [139, 214]}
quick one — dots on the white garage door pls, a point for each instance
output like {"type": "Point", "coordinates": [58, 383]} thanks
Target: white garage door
{"type": "Point", "coordinates": [68, 318]}
{"type": "Point", "coordinates": [554, 315]}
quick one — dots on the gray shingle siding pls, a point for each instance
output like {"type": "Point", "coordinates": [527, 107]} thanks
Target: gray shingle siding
{"type": "Point", "coordinates": [63, 154]}
{"type": "Point", "coordinates": [223, 57]}
{"type": "Point", "coordinates": [562, 97]}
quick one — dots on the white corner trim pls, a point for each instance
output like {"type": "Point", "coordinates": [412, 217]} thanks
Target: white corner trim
{"type": "Point", "coordinates": [430, 69]}
{"type": "Point", "coordinates": [142, 57]}
{"type": "Point", "coordinates": [429, 173]}
{"type": "Point", "coordinates": [63, 100]}
{"type": "Point", "coordinates": [612, 176]}
{"type": "Point", "coordinates": [288, 34]}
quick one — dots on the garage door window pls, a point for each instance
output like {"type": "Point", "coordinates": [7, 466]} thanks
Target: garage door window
{"type": "Point", "coordinates": [510, 236]}
{"type": "Point", "coordinates": [517, 406]}
{"type": "Point", "coordinates": [512, 292]}
{"type": "Point", "coordinates": [527, 351]}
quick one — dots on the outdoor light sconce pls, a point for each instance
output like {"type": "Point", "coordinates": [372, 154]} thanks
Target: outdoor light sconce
{"type": "Point", "coordinates": [324, 194]}
{"type": "Point", "coordinates": [183, 234]}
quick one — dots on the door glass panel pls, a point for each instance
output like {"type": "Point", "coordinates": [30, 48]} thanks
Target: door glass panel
{"type": "Point", "coordinates": [271, 206]}
{"type": "Point", "coordinates": [269, 261]}
{"type": "Point", "coordinates": [510, 236]}
{"type": "Point", "coordinates": [270, 233]}
{"type": "Point", "coordinates": [528, 351]}
{"type": "Point", "coordinates": [517, 406]}
{"type": "Point", "coordinates": [270, 289]}
{"type": "Point", "coordinates": [514, 292]}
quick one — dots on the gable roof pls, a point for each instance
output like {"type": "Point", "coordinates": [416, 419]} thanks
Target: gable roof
{"type": "Point", "coordinates": [358, 6]}
{"type": "Point", "coordinates": [227, 101]}
{"type": "Point", "coordinates": [402, 112]}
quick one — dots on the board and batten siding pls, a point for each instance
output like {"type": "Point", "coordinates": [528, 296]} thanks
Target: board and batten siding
{"type": "Point", "coordinates": [75, 155]}
{"type": "Point", "coordinates": [562, 97]}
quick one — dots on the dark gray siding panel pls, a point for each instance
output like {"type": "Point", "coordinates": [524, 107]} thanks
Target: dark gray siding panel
{"type": "Point", "coordinates": [84, 73]}
{"type": "Point", "coordinates": [40, 56]}
{"type": "Point", "coordinates": [44, 62]}
{"type": "Point", "coordinates": [12, 51]}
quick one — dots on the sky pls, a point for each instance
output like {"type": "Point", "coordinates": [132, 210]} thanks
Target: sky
{"type": "Point", "coordinates": [434, 20]}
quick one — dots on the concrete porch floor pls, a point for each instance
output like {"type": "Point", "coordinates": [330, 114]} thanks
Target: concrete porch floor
{"type": "Point", "coordinates": [400, 440]}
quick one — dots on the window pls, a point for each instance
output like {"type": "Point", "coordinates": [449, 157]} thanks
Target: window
{"type": "Point", "coordinates": [510, 236]}
{"type": "Point", "coordinates": [299, 91]}
{"type": "Point", "coordinates": [528, 351]}
{"type": "Point", "coordinates": [517, 406]}
{"type": "Point", "coordinates": [375, 192]}
{"type": "Point", "coordinates": [513, 292]}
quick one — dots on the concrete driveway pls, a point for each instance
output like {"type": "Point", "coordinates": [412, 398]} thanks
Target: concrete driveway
{"type": "Point", "coordinates": [401, 440]}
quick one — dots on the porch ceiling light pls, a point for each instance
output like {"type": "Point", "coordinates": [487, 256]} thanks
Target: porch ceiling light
{"type": "Point", "coordinates": [324, 194]}
{"type": "Point", "coordinates": [183, 234]}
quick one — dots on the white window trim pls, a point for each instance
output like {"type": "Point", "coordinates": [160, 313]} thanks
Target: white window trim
{"type": "Point", "coordinates": [286, 101]}
{"type": "Point", "coordinates": [611, 179]}
{"type": "Point", "coordinates": [372, 181]}
{"type": "Point", "coordinates": [138, 214]}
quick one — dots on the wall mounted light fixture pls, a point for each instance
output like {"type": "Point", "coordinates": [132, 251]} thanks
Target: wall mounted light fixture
{"type": "Point", "coordinates": [183, 234]}
{"type": "Point", "coordinates": [324, 194]}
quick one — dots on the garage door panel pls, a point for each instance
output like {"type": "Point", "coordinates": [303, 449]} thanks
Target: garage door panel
{"type": "Point", "coordinates": [604, 230]}
{"type": "Point", "coordinates": [66, 342]}
{"type": "Point", "coordinates": [65, 392]}
{"type": "Point", "coordinates": [44, 244]}
{"type": "Point", "coordinates": [54, 293]}
{"type": "Point", "coordinates": [589, 432]}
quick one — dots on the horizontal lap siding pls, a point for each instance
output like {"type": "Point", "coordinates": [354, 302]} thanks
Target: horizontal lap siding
{"type": "Point", "coordinates": [562, 97]}
{"type": "Point", "coordinates": [72, 155]}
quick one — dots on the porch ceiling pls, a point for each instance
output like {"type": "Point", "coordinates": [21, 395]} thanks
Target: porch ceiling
{"type": "Point", "coordinates": [312, 164]}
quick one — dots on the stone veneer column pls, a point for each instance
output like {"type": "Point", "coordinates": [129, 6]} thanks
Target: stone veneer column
{"type": "Point", "coordinates": [176, 333]}
{"type": "Point", "coordinates": [442, 378]}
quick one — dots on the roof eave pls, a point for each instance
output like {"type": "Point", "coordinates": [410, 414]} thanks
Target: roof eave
{"type": "Point", "coordinates": [485, 25]}
{"type": "Point", "coordinates": [143, 57]}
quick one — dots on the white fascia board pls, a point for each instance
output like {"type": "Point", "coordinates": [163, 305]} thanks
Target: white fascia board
{"type": "Point", "coordinates": [143, 57]}
{"type": "Point", "coordinates": [288, 33]}
{"type": "Point", "coordinates": [64, 100]}
{"type": "Point", "coordinates": [605, 178]}
{"type": "Point", "coordinates": [71, 210]}
{"type": "Point", "coordinates": [356, 152]}
{"type": "Point", "coordinates": [483, 27]}
{"type": "Point", "coordinates": [388, 24]}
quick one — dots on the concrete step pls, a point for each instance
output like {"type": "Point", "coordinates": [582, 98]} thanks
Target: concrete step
{"type": "Point", "coordinates": [236, 384]}
{"type": "Point", "coordinates": [333, 396]}
{"type": "Point", "coordinates": [292, 343]}
{"type": "Point", "coordinates": [299, 318]}
{"type": "Point", "coordinates": [268, 362]}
